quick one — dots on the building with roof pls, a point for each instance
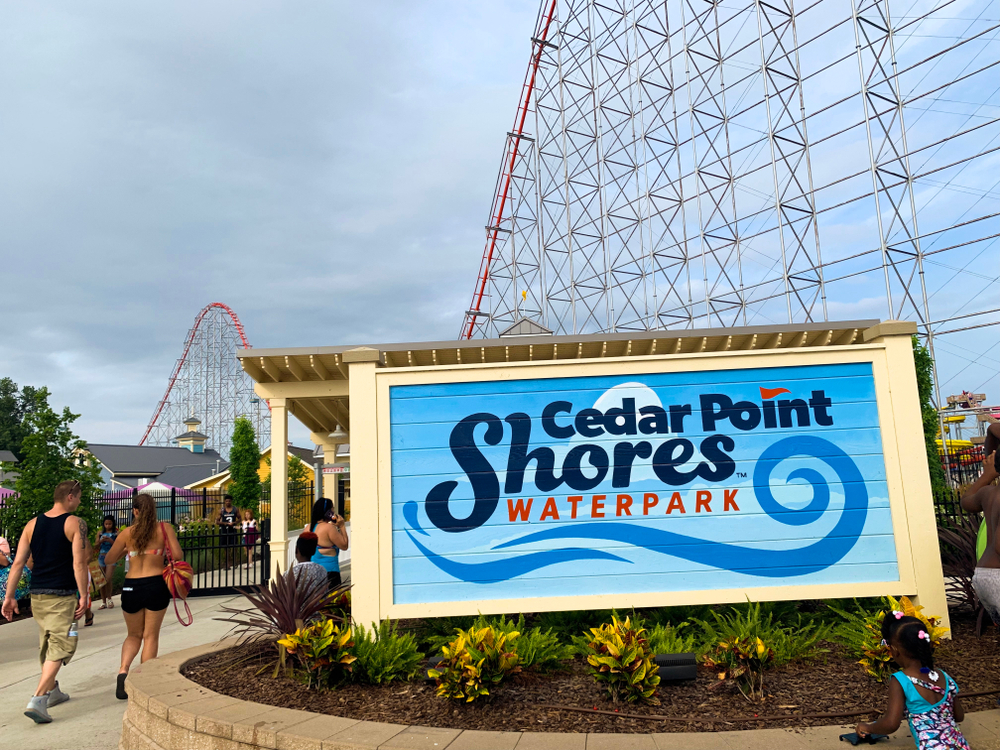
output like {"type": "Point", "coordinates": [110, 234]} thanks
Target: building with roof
{"type": "Point", "coordinates": [221, 480]}
{"type": "Point", "coordinates": [125, 467]}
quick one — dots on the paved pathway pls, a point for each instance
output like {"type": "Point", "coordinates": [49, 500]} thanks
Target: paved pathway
{"type": "Point", "coordinates": [92, 719]}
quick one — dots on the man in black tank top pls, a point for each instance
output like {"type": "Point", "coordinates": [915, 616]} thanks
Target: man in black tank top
{"type": "Point", "coordinates": [57, 542]}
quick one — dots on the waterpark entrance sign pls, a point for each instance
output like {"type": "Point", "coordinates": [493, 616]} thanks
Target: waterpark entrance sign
{"type": "Point", "coordinates": [650, 468]}
{"type": "Point", "coordinates": [776, 475]}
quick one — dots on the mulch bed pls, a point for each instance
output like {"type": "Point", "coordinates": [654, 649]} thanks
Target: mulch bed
{"type": "Point", "coordinates": [832, 683]}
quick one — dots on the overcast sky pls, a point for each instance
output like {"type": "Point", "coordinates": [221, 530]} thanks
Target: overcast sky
{"type": "Point", "coordinates": [323, 168]}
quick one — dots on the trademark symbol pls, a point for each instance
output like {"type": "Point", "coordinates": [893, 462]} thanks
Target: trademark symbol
{"type": "Point", "coordinates": [741, 474]}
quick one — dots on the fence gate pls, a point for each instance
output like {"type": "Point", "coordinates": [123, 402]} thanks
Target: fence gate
{"type": "Point", "coordinates": [223, 559]}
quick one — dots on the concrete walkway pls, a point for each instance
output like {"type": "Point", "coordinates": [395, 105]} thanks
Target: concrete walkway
{"type": "Point", "coordinates": [92, 719]}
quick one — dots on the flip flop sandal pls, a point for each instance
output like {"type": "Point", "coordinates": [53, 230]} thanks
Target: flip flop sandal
{"type": "Point", "coordinates": [103, 606]}
{"type": "Point", "coordinates": [88, 620]}
{"type": "Point", "coordinates": [111, 604]}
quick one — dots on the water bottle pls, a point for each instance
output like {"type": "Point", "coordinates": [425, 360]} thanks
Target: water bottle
{"type": "Point", "coordinates": [72, 630]}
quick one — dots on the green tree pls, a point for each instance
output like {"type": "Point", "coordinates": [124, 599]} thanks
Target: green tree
{"type": "Point", "coordinates": [15, 404]}
{"type": "Point", "coordinates": [244, 458]}
{"type": "Point", "coordinates": [925, 387]}
{"type": "Point", "coordinates": [298, 472]}
{"type": "Point", "coordinates": [49, 457]}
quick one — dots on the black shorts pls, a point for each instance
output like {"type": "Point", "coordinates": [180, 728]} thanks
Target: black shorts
{"type": "Point", "coordinates": [149, 593]}
{"type": "Point", "coordinates": [333, 579]}
{"type": "Point", "coordinates": [229, 537]}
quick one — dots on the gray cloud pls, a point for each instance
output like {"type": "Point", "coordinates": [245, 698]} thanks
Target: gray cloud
{"type": "Point", "coordinates": [325, 169]}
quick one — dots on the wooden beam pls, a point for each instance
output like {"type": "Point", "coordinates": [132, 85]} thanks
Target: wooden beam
{"type": "Point", "coordinates": [295, 368]}
{"type": "Point", "coordinates": [318, 367]}
{"type": "Point", "coordinates": [848, 337]}
{"type": "Point", "coordinates": [342, 414]}
{"type": "Point", "coordinates": [338, 359]}
{"type": "Point", "coordinates": [774, 342]}
{"type": "Point", "coordinates": [327, 407]}
{"type": "Point", "coordinates": [677, 345]}
{"type": "Point", "coordinates": [753, 342]}
{"type": "Point", "coordinates": [258, 375]}
{"type": "Point", "coordinates": [652, 347]}
{"type": "Point", "coordinates": [303, 416]}
{"type": "Point", "coordinates": [271, 369]}
{"type": "Point", "coordinates": [308, 389]}
{"type": "Point", "coordinates": [309, 407]}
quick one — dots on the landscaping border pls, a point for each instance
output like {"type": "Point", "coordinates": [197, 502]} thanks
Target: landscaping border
{"type": "Point", "coordinates": [167, 711]}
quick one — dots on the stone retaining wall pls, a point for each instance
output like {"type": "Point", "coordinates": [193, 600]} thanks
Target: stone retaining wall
{"type": "Point", "coordinates": [166, 711]}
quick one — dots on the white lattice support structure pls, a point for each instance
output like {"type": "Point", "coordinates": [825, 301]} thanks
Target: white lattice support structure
{"type": "Point", "coordinates": [681, 163]}
{"type": "Point", "coordinates": [209, 383]}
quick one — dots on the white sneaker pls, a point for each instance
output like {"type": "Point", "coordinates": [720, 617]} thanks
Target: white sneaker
{"type": "Point", "coordinates": [37, 709]}
{"type": "Point", "coordinates": [57, 696]}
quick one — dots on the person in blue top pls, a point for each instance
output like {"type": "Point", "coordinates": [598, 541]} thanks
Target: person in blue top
{"type": "Point", "coordinates": [105, 540]}
{"type": "Point", "coordinates": [929, 697]}
{"type": "Point", "coordinates": [329, 528]}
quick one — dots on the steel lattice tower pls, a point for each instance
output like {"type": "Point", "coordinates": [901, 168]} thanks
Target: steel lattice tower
{"type": "Point", "coordinates": [682, 163]}
{"type": "Point", "coordinates": [209, 383]}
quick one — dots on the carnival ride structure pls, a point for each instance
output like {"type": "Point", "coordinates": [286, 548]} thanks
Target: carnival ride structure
{"type": "Point", "coordinates": [208, 382]}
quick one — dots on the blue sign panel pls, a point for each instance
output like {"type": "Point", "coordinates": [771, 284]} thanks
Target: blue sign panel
{"type": "Point", "coordinates": [664, 482]}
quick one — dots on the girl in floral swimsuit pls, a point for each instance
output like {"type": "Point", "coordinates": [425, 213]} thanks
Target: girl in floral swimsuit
{"type": "Point", "coordinates": [929, 697]}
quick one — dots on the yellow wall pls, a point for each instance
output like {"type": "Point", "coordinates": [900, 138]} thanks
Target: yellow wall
{"type": "Point", "coordinates": [263, 471]}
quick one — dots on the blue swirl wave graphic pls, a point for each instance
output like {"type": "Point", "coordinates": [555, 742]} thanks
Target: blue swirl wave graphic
{"type": "Point", "coordinates": [801, 561]}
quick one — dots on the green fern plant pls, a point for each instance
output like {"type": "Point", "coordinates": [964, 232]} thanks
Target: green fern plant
{"type": "Point", "coordinates": [384, 654]}
{"type": "Point", "coordinates": [800, 639]}
{"type": "Point", "coordinates": [674, 639]}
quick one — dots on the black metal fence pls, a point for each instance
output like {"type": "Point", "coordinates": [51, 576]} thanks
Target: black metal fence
{"type": "Point", "coordinates": [222, 559]}
{"type": "Point", "coordinates": [179, 506]}
{"type": "Point", "coordinates": [963, 465]}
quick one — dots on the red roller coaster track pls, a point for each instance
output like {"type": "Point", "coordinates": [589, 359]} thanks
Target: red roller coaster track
{"type": "Point", "coordinates": [500, 201]}
{"type": "Point", "coordinates": [184, 354]}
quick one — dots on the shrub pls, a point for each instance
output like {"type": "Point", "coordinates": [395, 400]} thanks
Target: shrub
{"type": "Point", "coordinates": [282, 607]}
{"type": "Point", "coordinates": [384, 654]}
{"type": "Point", "coordinates": [458, 676]}
{"type": "Point", "coordinates": [323, 651]}
{"type": "Point", "coordinates": [668, 639]}
{"type": "Point", "coordinates": [861, 633]}
{"type": "Point", "coordinates": [619, 656]}
{"type": "Point", "coordinates": [338, 605]}
{"type": "Point", "coordinates": [434, 632]}
{"type": "Point", "coordinates": [958, 539]}
{"type": "Point", "coordinates": [537, 650]}
{"type": "Point", "coordinates": [743, 660]}
{"type": "Point", "coordinates": [567, 625]}
{"type": "Point", "coordinates": [491, 659]}
{"type": "Point", "coordinates": [799, 640]}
